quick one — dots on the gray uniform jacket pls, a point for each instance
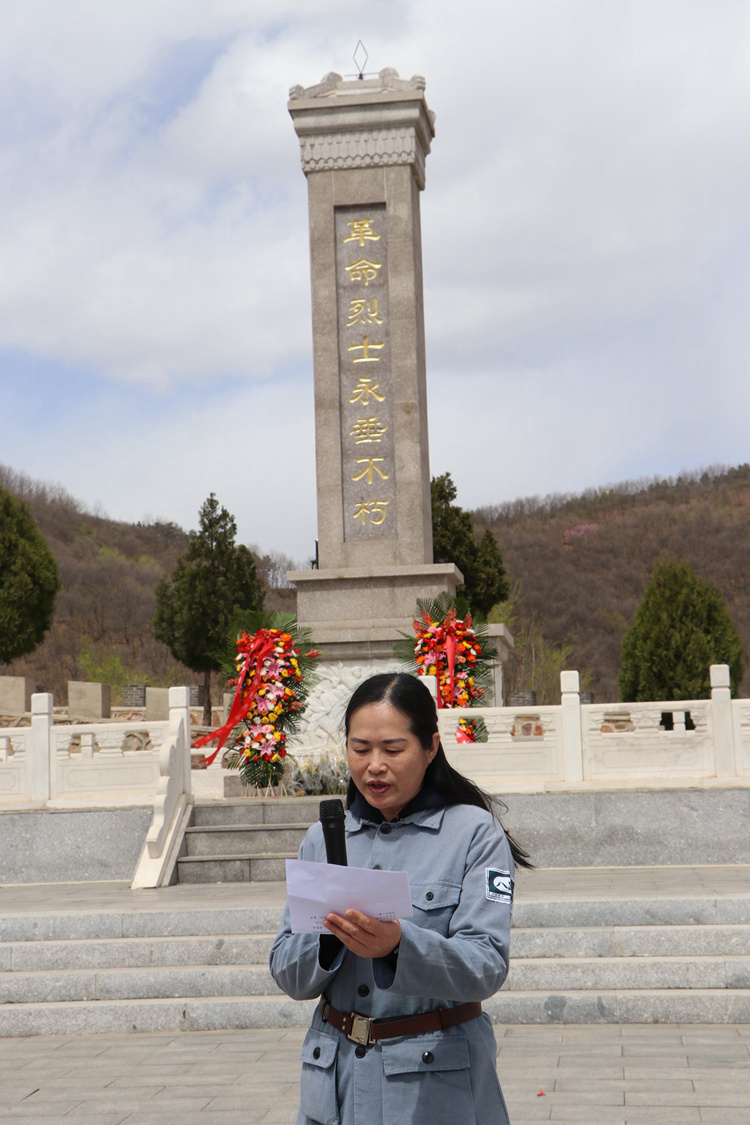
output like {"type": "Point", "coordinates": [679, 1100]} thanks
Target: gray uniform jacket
{"type": "Point", "coordinates": [453, 950]}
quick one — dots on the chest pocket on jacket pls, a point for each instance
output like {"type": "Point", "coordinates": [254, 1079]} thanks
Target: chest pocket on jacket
{"type": "Point", "coordinates": [434, 904]}
{"type": "Point", "coordinates": [318, 1080]}
{"type": "Point", "coordinates": [427, 1079]}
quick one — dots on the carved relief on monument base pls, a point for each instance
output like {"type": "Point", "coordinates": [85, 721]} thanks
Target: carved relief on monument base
{"type": "Point", "coordinates": [322, 731]}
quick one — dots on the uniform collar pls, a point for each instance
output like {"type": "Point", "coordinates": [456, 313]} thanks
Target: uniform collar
{"type": "Point", "coordinates": [427, 809]}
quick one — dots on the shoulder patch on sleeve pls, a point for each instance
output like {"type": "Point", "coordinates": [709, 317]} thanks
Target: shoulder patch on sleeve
{"type": "Point", "coordinates": [498, 885]}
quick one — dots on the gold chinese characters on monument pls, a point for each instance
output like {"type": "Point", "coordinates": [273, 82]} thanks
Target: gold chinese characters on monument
{"type": "Point", "coordinates": [367, 440]}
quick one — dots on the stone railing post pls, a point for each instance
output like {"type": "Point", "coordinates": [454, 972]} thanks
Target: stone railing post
{"type": "Point", "coordinates": [721, 702]}
{"type": "Point", "coordinates": [430, 682]}
{"type": "Point", "coordinates": [570, 691]}
{"type": "Point", "coordinates": [179, 708]}
{"type": "Point", "coordinates": [40, 765]}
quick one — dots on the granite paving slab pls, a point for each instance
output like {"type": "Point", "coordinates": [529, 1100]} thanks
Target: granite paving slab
{"type": "Point", "coordinates": [632, 1075]}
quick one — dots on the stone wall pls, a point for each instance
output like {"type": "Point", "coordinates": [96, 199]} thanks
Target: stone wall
{"type": "Point", "coordinates": [638, 828]}
{"type": "Point", "coordinates": [56, 846]}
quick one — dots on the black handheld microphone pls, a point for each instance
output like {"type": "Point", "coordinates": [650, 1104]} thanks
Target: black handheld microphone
{"type": "Point", "coordinates": [332, 822]}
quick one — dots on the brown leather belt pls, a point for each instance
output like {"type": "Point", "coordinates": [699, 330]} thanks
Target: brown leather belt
{"type": "Point", "coordinates": [366, 1031]}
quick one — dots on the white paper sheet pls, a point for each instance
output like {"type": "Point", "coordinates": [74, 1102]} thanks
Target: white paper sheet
{"type": "Point", "coordinates": [317, 889]}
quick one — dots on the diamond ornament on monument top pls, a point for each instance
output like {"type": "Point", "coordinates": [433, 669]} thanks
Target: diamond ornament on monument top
{"type": "Point", "coordinates": [360, 58]}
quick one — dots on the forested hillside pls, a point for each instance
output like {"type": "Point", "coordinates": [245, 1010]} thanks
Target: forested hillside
{"type": "Point", "coordinates": [582, 562]}
{"type": "Point", "coordinates": [579, 565]}
{"type": "Point", "coordinates": [109, 572]}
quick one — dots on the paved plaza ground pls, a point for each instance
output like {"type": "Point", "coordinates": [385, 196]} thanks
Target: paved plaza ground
{"type": "Point", "coordinates": [603, 1075]}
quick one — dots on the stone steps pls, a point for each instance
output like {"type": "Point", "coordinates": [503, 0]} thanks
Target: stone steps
{"type": "Point", "coordinates": [632, 941]}
{"type": "Point", "coordinates": [159, 982]}
{"type": "Point", "coordinates": [89, 926]}
{"type": "Point", "coordinates": [632, 973]}
{"type": "Point", "coordinates": [702, 1006]}
{"type": "Point", "coordinates": [257, 810]}
{"type": "Point", "coordinates": [635, 942]}
{"type": "Point", "coordinates": [526, 975]}
{"type": "Point", "coordinates": [623, 959]}
{"type": "Point", "coordinates": [678, 1005]}
{"type": "Point", "coordinates": [179, 1014]}
{"type": "Point", "coordinates": [261, 868]}
{"type": "Point", "coordinates": [616, 912]}
{"type": "Point", "coordinates": [244, 840]}
{"type": "Point", "coordinates": [134, 953]}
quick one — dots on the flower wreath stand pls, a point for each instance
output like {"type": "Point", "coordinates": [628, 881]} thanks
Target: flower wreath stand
{"type": "Point", "coordinates": [272, 678]}
{"type": "Point", "coordinates": [448, 645]}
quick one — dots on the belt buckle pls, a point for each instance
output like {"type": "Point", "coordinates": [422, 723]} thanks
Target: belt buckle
{"type": "Point", "coordinates": [360, 1029]}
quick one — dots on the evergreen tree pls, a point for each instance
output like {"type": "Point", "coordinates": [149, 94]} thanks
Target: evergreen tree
{"type": "Point", "coordinates": [212, 583]}
{"type": "Point", "coordinates": [680, 628]}
{"type": "Point", "coordinates": [453, 540]}
{"type": "Point", "coordinates": [29, 580]}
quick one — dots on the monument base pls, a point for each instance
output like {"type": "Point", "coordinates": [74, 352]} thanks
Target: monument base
{"type": "Point", "coordinates": [357, 617]}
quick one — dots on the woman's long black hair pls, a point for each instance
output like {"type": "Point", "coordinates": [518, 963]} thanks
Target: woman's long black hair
{"type": "Point", "coordinates": [412, 698]}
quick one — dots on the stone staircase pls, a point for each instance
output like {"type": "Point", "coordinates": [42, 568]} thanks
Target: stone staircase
{"type": "Point", "coordinates": [645, 960]}
{"type": "Point", "coordinates": [241, 840]}
{"type": "Point", "coordinates": [202, 964]}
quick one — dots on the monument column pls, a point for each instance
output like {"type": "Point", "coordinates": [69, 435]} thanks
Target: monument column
{"type": "Point", "coordinates": [363, 145]}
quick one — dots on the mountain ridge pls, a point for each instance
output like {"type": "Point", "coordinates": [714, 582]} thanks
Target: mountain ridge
{"type": "Point", "coordinates": [579, 562]}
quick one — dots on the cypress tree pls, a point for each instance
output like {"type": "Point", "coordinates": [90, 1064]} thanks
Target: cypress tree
{"type": "Point", "coordinates": [453, 540]}
{"type": "Point", "coordinates": [29, 580]}
{"type": "Point", "coordinates": [680, 628]}
{"type": "Point", "coordinates": [212, 583]}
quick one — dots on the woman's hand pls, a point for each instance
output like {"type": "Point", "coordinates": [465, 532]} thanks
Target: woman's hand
{"type": "Point", "coordinates": [363, 935]}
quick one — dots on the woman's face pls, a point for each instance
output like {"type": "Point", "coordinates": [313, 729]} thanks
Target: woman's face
{"type": "Point", "coordinates": [386, 760]}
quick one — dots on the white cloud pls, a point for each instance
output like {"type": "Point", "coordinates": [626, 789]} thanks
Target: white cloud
{"type": "Point", "coordinates": [585, 230]}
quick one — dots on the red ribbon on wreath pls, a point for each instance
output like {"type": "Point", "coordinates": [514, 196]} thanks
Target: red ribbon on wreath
{"type": "Point", "coordinates": [262, 646]}
{"type": "Point", "coordinates": [451, 644]}
{"type": "Point", "coordinates": [444, 640]}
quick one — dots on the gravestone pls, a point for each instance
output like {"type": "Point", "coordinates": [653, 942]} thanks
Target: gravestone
{"type": "Point", "coordinates": [134, 695]}
{"type": "Point", "coordinates": [364, 144]}
{"type": "Point", "coordinates": [197, 695]}
{"type": "Point", "coordinates": [89, 701]}
{"type": "Point", "coordinates": [157, 704]}
{"type": "Point", "coordinates": [15, 695]}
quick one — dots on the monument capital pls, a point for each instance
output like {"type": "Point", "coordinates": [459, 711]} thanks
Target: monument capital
{"type": "Point", "coordinates": [363, 123]}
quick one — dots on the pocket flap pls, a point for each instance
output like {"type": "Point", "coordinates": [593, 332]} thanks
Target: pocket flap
{"type": "Point", "coordinates": [319, 1050]}
{"type": "Point", "coordinates": [435, 895]}
{"type": "Point", "coordinates": [425, 1053]}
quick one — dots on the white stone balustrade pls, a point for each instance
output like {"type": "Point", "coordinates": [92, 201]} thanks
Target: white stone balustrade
{"type": "Point", "coordinates": [523, 744]}
{"type": "Point", "coordinates": [567, 746]}
{"type": "Point", "coordinates": [607, 746]}
{"type": "Point", "coordinates": [83, 765]}
{"type": "Point", "coordinates": [15, 761]}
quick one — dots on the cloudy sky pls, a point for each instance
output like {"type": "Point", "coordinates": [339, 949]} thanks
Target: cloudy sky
{"type": "Point", "coordinates": [586, 230]}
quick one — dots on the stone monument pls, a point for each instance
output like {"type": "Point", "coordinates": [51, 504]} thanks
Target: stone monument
{"type": "Point", "coordinates": [364, 144]}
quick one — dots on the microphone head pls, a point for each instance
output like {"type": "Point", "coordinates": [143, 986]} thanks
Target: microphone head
{"type": "Point", "coordinates": [332, 810]}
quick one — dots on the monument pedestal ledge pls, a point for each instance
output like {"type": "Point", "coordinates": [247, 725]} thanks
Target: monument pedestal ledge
{"type": "Point", "coordinates": [357, 613]}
